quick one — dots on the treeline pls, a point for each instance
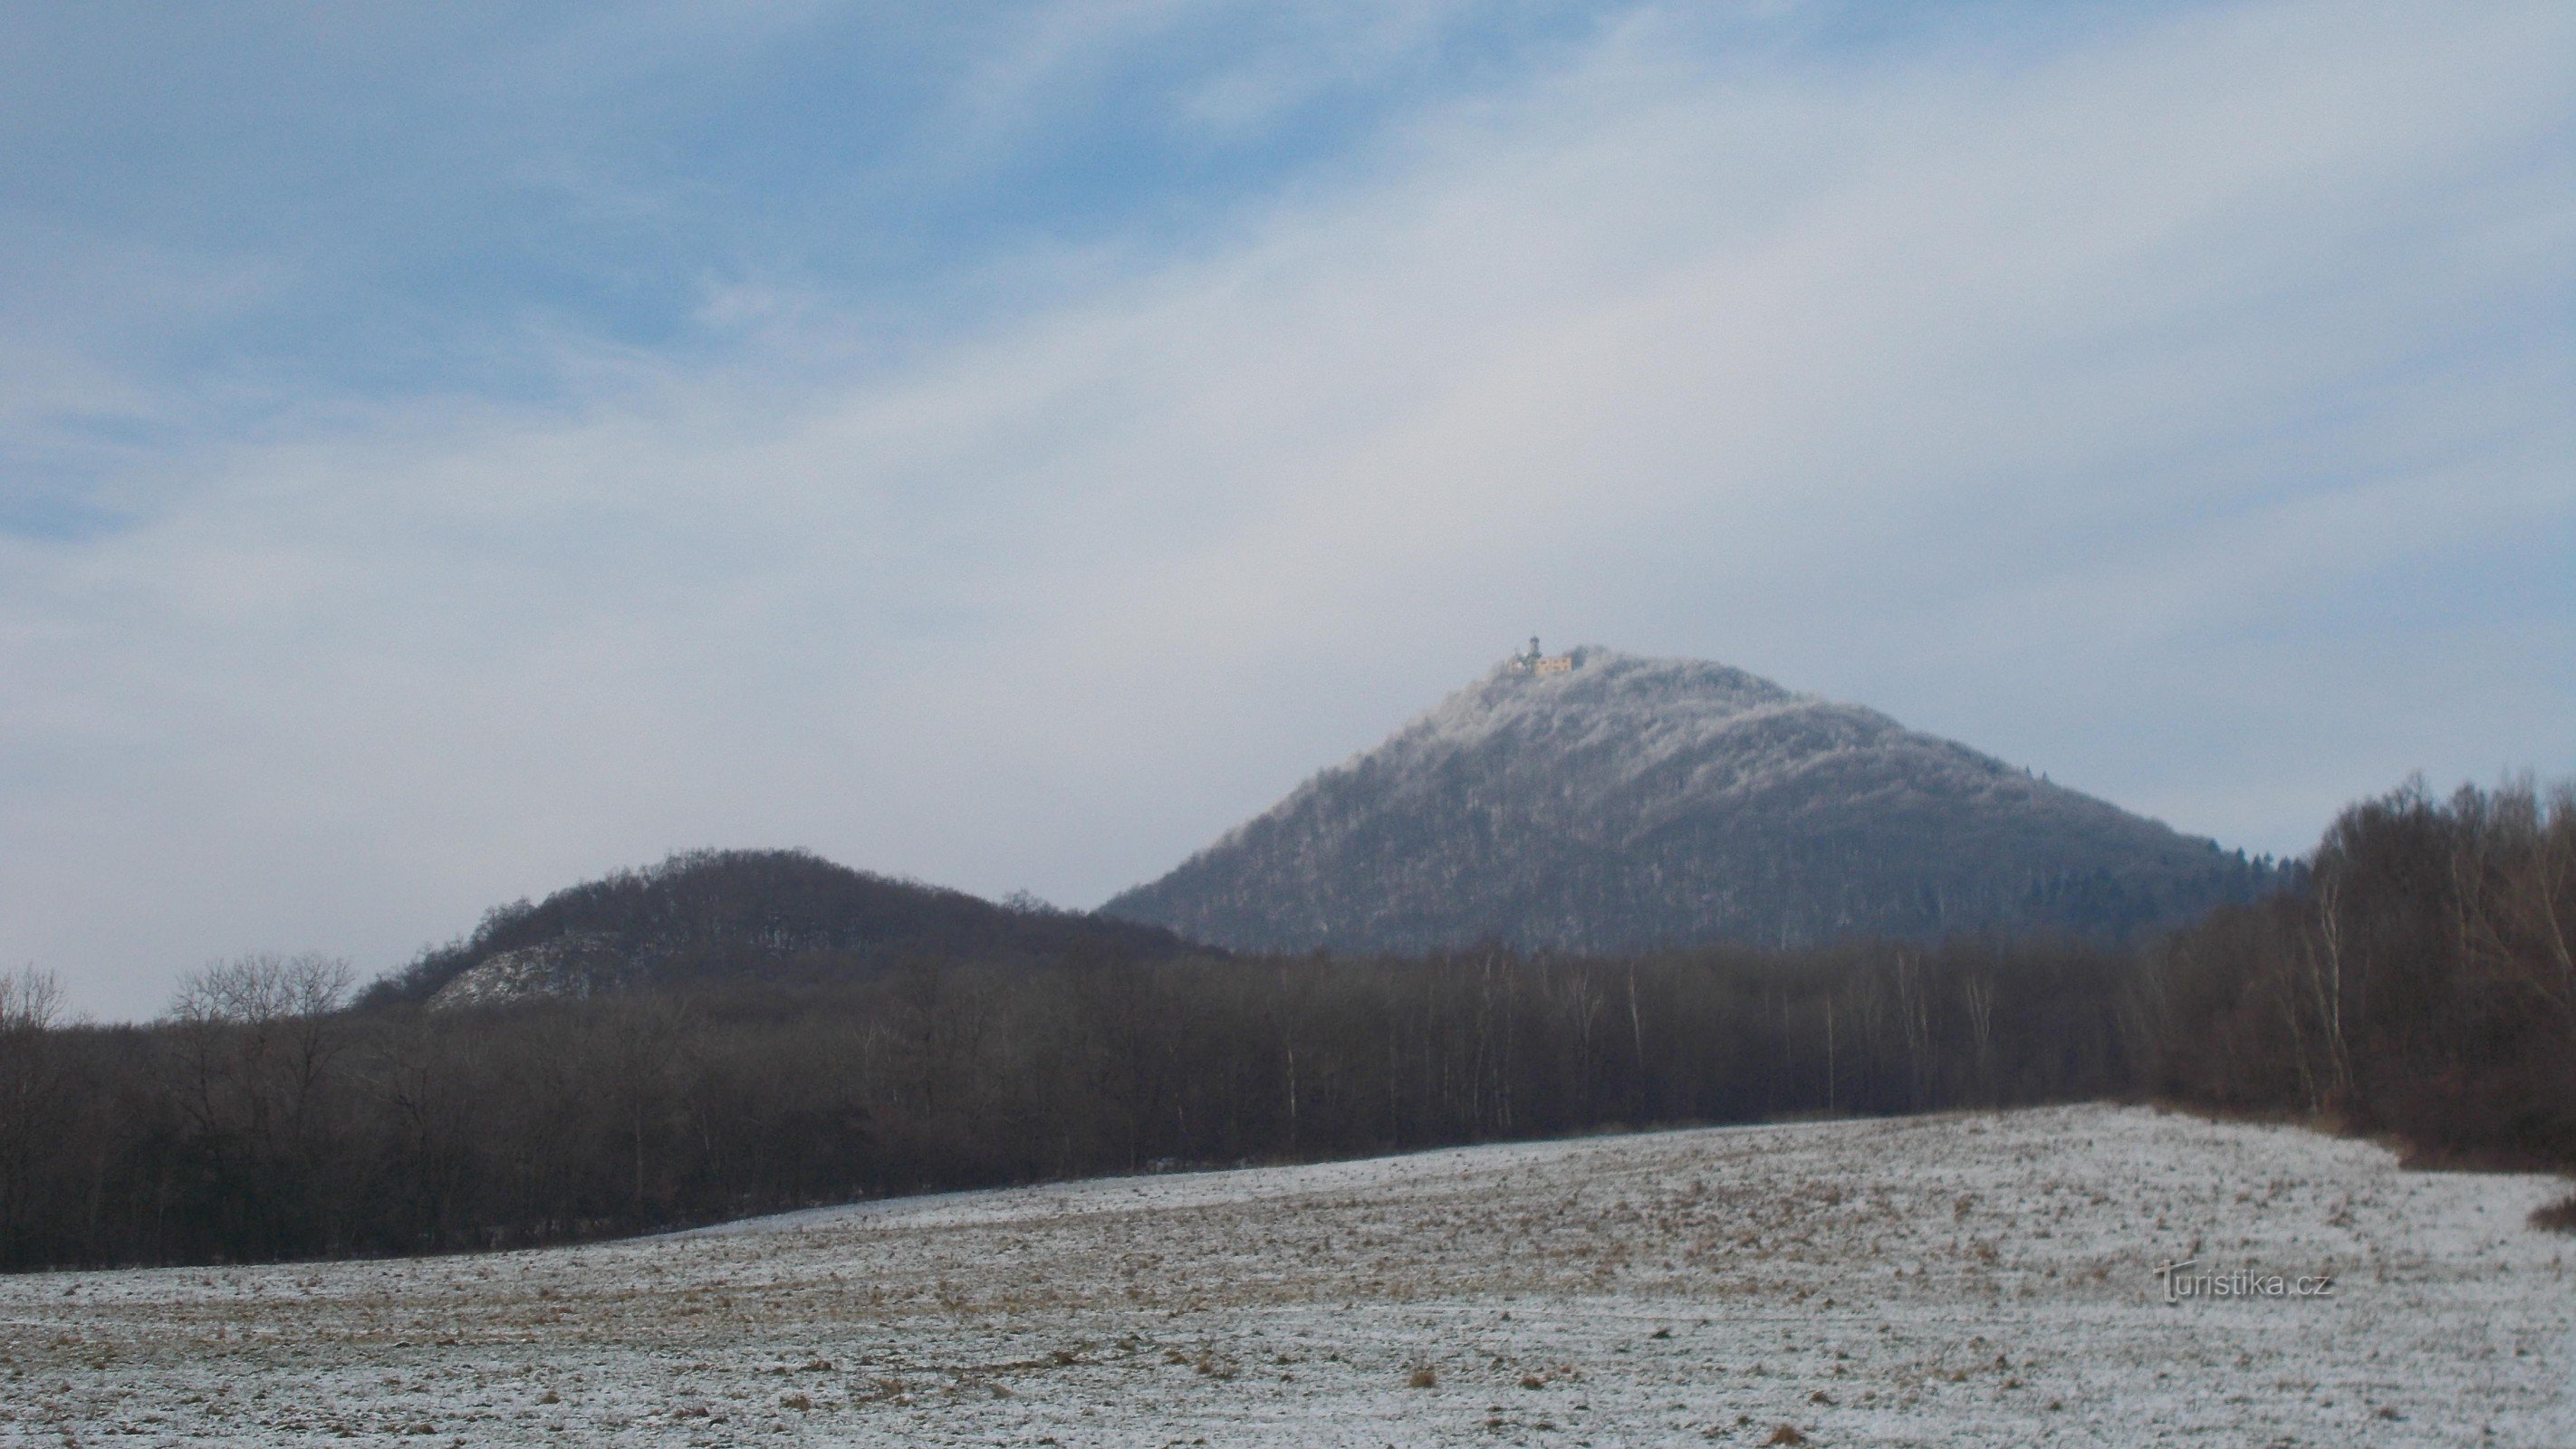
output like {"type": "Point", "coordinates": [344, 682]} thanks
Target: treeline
{"type": "Point", "coordinates": [257, 1124]}
{"type": "Point", "coordinates": [2422, 985]}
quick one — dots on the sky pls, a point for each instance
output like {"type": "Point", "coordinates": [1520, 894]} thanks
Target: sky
{"type": "Point", "coordinates": [452, 451]}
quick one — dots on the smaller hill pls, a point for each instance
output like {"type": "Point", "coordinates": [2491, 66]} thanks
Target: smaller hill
{"type": "Point", "coordinates": [714, 916]}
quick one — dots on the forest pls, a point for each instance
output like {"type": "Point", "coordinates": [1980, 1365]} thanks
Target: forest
{"type": "Point", "coordinates": [2417, 984]}
{"type": "Point", "coordinates": [2420, 987]}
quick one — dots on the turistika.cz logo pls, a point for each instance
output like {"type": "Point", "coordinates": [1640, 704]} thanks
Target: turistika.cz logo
{"type": "Point", "coordinates": [2181, 1283]}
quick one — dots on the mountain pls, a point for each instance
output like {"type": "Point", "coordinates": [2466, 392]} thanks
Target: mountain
{"type": "Point", "coordinates": [1599, 802]}
{"type": "Point", "coordinates": [773, 915]}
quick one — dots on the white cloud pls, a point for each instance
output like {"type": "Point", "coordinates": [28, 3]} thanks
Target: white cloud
{"type": "Point", "coordinates": [2026, 398]}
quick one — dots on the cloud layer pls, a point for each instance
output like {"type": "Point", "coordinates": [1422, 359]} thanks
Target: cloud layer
{"type": "Point", "coordinates": [2175, 401]}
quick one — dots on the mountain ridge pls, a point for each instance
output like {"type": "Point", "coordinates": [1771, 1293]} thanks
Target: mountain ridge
{"type": "Point", "coordinates": [777, 916]}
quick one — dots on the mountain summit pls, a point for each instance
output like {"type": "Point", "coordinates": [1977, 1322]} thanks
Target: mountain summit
{"type": "Point", "coordinates": [1601, 802]}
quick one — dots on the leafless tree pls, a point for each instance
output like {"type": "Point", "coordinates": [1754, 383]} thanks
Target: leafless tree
{"type": "Point", "coordinates": [31, 1100]}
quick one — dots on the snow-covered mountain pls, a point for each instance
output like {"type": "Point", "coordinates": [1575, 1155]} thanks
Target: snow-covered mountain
{"type": "Point", "coordinates": [1599, 802]}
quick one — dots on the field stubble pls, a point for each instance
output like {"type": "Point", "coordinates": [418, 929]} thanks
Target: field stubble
{"type": "Point", "coordinates": [1955, 1280]}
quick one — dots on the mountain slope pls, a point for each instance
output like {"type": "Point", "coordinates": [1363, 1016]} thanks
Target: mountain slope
{"type": "Point", "coordinates": [774, 915]}
{"type": "Point", "coordinates": [1603, 802]}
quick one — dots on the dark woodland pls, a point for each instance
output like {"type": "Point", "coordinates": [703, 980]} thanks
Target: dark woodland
{"type": "Point", "coordinates": [2420, 987]}
{"type": "Point", "coordinates": [2418, 984]}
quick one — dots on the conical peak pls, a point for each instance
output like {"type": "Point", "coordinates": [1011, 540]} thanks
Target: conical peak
{"type": "Point", "coordinates": [1614, 801]}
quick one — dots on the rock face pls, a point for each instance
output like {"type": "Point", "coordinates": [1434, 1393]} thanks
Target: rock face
{"type": "Point", "coordinates": [1614, 803]}
{"type": "Point", "coordinates": [711, 918]}
{"type": "Point", "coordinates": [578, 963]}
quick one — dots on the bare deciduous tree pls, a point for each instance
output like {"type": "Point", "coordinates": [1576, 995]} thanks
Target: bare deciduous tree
{"type": "Point", "coordinates": [31, 1101]}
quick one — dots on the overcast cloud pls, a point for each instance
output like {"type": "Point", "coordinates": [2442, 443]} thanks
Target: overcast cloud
{"type": "Point", "coordinates": [448, 458]}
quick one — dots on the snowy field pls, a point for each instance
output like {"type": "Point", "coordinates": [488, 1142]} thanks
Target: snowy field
{"type": "Point", "coordinates": [1969, 1280]}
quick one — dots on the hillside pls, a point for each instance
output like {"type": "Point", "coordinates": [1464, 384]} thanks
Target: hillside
{"type": "Point", "coordinates": [777, 915]}
{"type": "Point", "coordinates": [1602, 802]}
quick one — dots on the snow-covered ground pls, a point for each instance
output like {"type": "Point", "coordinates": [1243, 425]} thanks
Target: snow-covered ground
{"type": "Point", "coordinates": [1965, 1280]}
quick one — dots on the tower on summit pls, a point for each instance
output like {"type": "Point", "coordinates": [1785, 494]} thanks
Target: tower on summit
{"type": "Point", "coordinates": [1535, 663]}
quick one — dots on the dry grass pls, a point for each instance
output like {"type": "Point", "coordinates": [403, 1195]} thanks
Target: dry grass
{"type": "Point", "coordinates": [2558, 1217]}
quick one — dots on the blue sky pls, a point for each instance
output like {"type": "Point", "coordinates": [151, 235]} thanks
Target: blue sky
{"type": "Point", "coordinates": [449, 451]}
